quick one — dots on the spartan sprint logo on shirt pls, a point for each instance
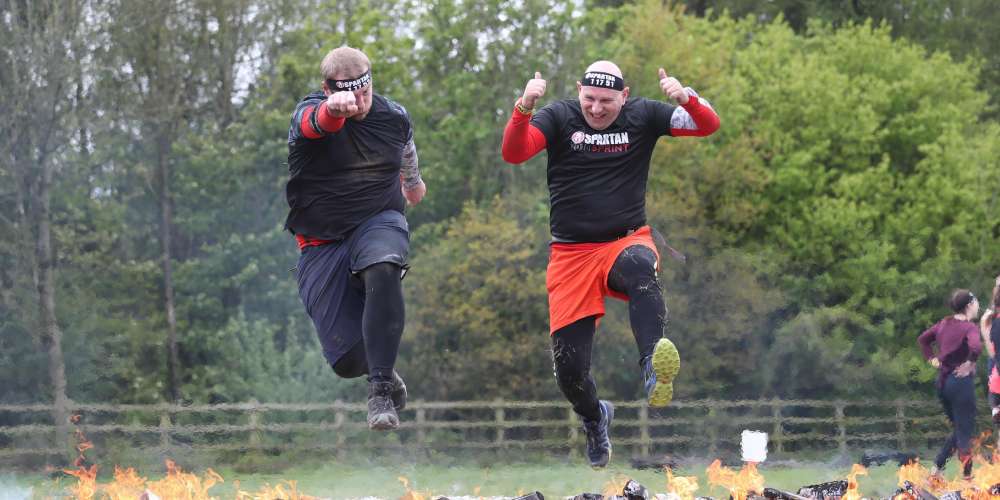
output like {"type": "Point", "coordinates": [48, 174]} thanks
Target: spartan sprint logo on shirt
{"type": "Point", "coordinates": [616, 142]}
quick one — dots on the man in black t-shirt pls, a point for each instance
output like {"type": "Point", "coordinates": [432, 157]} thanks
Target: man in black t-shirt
{"type": "Point", "coordinates": [353, 168]}
{"type": "Point", "coordinates": [599, 146]}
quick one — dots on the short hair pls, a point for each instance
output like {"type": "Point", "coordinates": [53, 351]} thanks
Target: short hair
{"type": "Point", "coordinates": [344, 63]}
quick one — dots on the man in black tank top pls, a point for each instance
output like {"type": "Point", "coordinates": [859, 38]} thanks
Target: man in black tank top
{"type": "Point", "coordinates": [599, 146]}
{"type": "Point", "coordinates": [353, 168]}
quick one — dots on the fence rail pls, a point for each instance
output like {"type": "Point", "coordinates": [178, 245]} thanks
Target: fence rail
{"type": "Point", "coordinates": [708, 426]}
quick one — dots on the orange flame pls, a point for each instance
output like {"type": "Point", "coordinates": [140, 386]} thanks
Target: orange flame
{"type": "Point", "coordinates": [411, 494]}
{"type": "Point", "coordinates": [615, 486]}
{"type": "Point", "coordinates": [86, 484]}
{"type": "Point", "coordinates": [740, 484]}
{"type": "Point", "coordinates": [683, 487]}
{"type": "Point", "coordinates": [852, 492]}
{"type": "Point", "coordinates": [916, 474]}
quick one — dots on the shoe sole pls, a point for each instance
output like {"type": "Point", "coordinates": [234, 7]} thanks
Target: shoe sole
{"type": "Point", "coordinates": [611, 415]}
{"type": "Point", "coordinates": [666, 364]}
{"type": "Point", "coordinates": [383, 423]}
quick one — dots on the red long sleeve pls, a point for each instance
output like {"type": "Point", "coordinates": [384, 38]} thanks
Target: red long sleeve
{"type": "Point", "coordinates": [317, 124]}
{"type": "Point", "coordinates": [703, 116]}
{"type": "Point", "coordinates": [521, 139]}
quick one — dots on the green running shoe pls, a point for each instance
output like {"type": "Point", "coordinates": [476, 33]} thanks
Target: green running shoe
{"type": "Point", "coordinates": [659, 370]}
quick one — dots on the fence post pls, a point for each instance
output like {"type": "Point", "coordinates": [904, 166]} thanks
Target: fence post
{"type": "Point", "coordinates": [644, 428]}
{"type": "Point", "coordinates": [338, 428]}
{"type": "Point", "coordinates": [498, 412]}
{"type": "Point", "coordinates": [713, 432]}
{"type": "Point", "coordinates": [841, 427]}
{"type": "Point", "coordinates": [165, 426]}
{"type": "Point", "coordinates": [901, 424]}
{"type": "Point", "coordinates": [573, 432]}
{"type": "Point", "coordinates": [421, 420]}
{"type": "Point", "coordinates": [254, 421]}
{"type": "Point", "coordinates": [778, 430]}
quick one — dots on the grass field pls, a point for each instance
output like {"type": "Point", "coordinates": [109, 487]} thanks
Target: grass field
{"type": "Point", "coordinates": [554, 478]}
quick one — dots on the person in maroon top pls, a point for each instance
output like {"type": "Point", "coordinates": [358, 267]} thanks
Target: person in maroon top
{"type": "Point", "coordinates": [958, 347]}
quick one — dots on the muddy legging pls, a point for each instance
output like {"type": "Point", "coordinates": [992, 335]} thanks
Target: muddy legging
{"type": "Point", "coordinates": [634, 274]}
{"type": "Point", "coordinates": [381, 326]}
{"type": "Point", "coordinates": [958, 396]}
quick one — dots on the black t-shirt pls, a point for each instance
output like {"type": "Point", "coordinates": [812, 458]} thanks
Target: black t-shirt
{"type": "Point", "coordinates": [597, 178]}
{"type": "Point", "coordinates": [339, 180]}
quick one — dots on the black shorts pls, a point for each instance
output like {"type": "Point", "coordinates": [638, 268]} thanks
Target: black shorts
{"type": "Point", "coordinates": [328, 283]}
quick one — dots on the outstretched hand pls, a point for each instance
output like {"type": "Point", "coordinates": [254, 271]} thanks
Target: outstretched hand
{"type": "Point", "coordinates": [342, 104]}
{"type": "Point", "coordinates": [533, 91]}
{"type": "Point", "coordinates": [672, 88]}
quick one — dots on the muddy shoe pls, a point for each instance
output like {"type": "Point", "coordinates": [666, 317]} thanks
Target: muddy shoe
{"type": "Point", "coordinates": [398, 394]}
{"type": "Point", "coordinates": [659, 370]}
{"type": "Point", "coordinates": [381, 413]}
{"type": "Point", "coordinates": [598, 440]}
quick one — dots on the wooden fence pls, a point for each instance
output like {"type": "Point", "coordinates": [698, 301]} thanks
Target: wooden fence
{"type": "Point", "coordinates": [705, 427]}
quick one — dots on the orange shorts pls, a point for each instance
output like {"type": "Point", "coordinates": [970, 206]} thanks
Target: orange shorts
{"type": "Point", "coordinates": [577, 276]}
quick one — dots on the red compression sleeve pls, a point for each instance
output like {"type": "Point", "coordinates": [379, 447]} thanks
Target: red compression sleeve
{"type": "Point", "coordinates": [316, 124]}
{"type": "Point", "coordinates": [521, 139]}
{"type": "Point", "coordinates": [704, 117]}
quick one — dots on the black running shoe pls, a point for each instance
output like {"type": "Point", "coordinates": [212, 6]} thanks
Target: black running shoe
{"type": "Point", "coordinates": [598, 442]}
{"type": "Point", "coordinates": [398, 394]}
{"type": "Point", "coordinates": [381, 414]}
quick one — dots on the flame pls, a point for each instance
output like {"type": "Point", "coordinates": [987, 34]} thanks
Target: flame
{"type": "Point", "coordinates": [987, 473]}
{"type": "Point", "coordinates": [615, 486]}
{"type": "Point", "coordinates": [740, 484]}
{"type": "Point", "coordinates": [411, 494]}
{"type": "Point", "coordinates": [683, 487]}
{"type": "Point", "coordinates": [86, 484]}
{"type": "Point", "coordinates": [852, 492]}
{"type": "Point", "coordinates": [285, 491]}
{"type": "Point", "coordinates": [916, 474]}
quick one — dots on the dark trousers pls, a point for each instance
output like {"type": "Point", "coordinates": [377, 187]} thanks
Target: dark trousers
{"type": "Point", "coordinates": [634, 274]}
{"type": "Point", "coordinates": [958, 397]}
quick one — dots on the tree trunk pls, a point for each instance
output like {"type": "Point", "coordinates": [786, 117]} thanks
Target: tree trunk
{"type": "Point", "coordinates": [51, 334]}
{"type": "Point", "coordinates": [166, 220]}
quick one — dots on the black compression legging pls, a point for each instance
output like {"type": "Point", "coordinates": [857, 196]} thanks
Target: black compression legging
{"type": "Point", "coordinates": [381, 326]}
{"type": "Point", "coordinates": [633, 274]}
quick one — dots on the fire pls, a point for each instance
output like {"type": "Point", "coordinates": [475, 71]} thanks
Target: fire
{"type": "Point", "coordinates": [683, 487]}
{"type": "Point", "coordinates": [987, 472]}
{"type": "Point", "coordinates": [916, 474]}
{"type": "Point", "coordinates": [86, 484]}
{"type": "Point", "coordinates": [739, 484]}
{"type": "Point", "coordinates": [852, 492]}
{"type": "Point", "coordinates": [615, 486]}
{"type": "Point", "coordinates": [411, 494]}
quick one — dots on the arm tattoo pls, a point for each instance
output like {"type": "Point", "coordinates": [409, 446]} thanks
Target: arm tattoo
{"type": "Point", "coordinates": [409, 168]}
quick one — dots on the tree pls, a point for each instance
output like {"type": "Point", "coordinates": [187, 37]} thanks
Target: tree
{"type": "Point", "coordinates": [43, 44]}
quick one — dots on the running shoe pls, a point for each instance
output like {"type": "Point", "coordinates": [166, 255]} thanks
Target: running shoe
{"type": "Point", "coordinates": [381, 413]}
{"type": "Point", "coordinates": [659, 370]}
{"type": "Point", "coordinates": [598, 441]}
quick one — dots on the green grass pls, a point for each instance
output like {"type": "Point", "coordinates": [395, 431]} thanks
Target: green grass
{"type": "Point", "coordinates": [554, 478]}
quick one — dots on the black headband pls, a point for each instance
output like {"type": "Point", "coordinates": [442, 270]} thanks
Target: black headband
{"type": "Point", "coordinates": [602, 80]}
{"type": "Point", "coordinates": [350, 85]}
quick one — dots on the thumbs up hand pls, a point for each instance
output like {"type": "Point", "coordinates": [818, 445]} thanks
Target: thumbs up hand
{"type": "Point", "coordinates": [672, 88]}
{"type": "Point", "coordinates": [534, 90]}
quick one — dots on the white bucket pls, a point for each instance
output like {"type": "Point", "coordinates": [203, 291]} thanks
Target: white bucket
{"type": "Point", "coordinates": [754, 446]}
